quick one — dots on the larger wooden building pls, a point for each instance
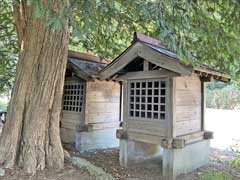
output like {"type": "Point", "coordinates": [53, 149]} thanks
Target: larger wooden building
{"type": "Point", "coordinates": [164, 106]}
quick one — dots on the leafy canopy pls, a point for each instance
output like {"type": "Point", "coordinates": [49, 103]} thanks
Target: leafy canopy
{"type": "Point", "coordinates": [206, 31]}
{"type": "Point", "coordinates": [8, 46]}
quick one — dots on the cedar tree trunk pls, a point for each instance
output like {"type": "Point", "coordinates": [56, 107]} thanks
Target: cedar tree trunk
{"type": "Point", "coordinates": [31, 137]}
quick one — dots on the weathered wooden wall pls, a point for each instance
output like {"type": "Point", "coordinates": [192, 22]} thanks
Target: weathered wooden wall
{"type": "Point", "coordinates": [188, 105]}
{"type": "Point", "coordinates": [102, 104]}
{"type": "Point", "coordinates": [151, 127]}
{"type": "Point", "coordinates": [101, 110]}
{"type": "Point", "coordinates": [71, 120]}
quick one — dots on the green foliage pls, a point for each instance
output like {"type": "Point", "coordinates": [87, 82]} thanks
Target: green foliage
{"type": "Point", "coordinates": [222, 96]}
{"type": "Point", "coordinates": [236, 149]}
{"type": "Point", "coordinates": [39, 7]}
{"type": "Point", "coordinates": [106, 27]}
{"type": "Point", "coordinates": [214, 174]}
{"type": "Point", "coordinates": [216, 85]}
{"type": "Point", "coordinates": [236, 161]}
{"type": "Point", "coordinates": [8, 46]}
{"type": "Point", "coordinates": [205, 31]}
{"type": "Point", "coordinates": [55, 12]}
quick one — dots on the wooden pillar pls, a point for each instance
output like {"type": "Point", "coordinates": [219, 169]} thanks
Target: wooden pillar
{"type": "Point", "coordinates": [172, 108]}
{"type": "Point", "coordinates": [203, 105]}
{"type": "Point", "coordinates": [125, 107]}
{"type": "Point", "coordinates": [121, 102]}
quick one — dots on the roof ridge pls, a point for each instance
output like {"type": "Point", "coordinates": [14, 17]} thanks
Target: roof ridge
{"type": "Point", "coordinates": [87, 56]}
{"type": "Point", "coordinates": [137, 36]}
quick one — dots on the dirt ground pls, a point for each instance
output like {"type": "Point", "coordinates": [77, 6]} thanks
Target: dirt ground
{"type": "Point", "coordinates": [68, 173]}
{"type": "Point", "coordinates": [108, 160]}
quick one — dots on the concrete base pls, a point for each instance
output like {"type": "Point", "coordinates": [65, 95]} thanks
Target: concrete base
{"type": "Point", "coordinates": [96, 139]}
{"type": "Point", "coordinates": [67, 135]}
{"type": "Point", "coordinates": [173, 161]}
{"type": "Point", "coordinates": [133, 152]}
{"type": "Point", "coordinates": [191, 157]}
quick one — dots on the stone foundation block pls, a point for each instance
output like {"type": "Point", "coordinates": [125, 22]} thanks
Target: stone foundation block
{"type": "Point", "coordinates": [187, 159]}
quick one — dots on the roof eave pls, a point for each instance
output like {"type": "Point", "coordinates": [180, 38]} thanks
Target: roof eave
{"type": "Point", "coordinates": [214, 74]}
{"type": "Point", "coordinates": [79, 72]}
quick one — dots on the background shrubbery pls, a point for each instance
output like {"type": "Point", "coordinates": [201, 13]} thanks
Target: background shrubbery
{"type": "Point", "coordinates": [222, 96]}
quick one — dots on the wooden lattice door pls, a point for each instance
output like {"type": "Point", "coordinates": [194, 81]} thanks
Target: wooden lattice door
{"type": "Point", "coordinates": [74, 104]}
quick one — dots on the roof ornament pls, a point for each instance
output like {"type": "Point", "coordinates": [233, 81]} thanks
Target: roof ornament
{"type": "Point", "coordinates": [144, 38]}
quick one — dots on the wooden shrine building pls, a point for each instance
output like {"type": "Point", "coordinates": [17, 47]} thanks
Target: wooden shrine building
{"type": "Point", "coordinates": [163, 106]}
{"type": "Point", "coordinates": [90, 107]}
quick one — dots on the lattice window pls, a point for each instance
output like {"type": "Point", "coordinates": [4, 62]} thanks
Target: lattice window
{"type": "Point", "coordinates": [73, 99]}
{"type": "Point", "coordinates": [147, 99]}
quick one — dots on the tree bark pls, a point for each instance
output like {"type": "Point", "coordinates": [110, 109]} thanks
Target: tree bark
{"type": "Point", "coordinates": [31, 135]}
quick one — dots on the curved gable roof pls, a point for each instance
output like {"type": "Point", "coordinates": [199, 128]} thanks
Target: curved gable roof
{"type": "Point", "coordinates": [155, 52]}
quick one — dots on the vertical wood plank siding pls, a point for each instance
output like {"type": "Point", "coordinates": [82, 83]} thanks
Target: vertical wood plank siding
{"type": "Point", "coordinates": [102, 104]}
{"type": "Point", "coordinates": [188, 105]}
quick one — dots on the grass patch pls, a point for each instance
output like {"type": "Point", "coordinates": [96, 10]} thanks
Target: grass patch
{"type": "Point", "coordinates": [236, 162]}
{"type": "Point", "coordinates": [214, 174]}
{"type": "Point", "coordinates": [236, 149]}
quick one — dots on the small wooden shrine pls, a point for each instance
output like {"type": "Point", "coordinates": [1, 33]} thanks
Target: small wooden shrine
{"type": "Point", "coordinates": [163, 106]}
